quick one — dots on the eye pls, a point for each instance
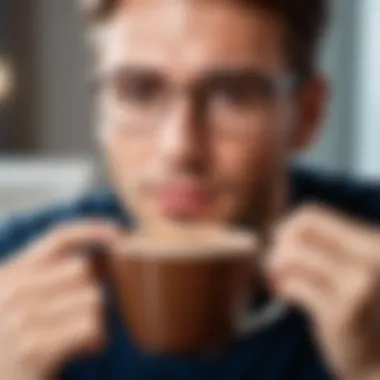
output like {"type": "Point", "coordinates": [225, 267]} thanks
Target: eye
{"type": "Point", "coordinates": [242, 91]}
{"type": "Point", "coordinates": [139, 90]}
{"type": "Point", "coordinates": [234, 93]}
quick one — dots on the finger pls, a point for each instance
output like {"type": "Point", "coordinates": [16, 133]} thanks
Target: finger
{"type": "Point", "coordinates": [51, 344]}
{"type": "Point", "coordinates": [82, 331]}
{"type": "Point", "coordinates": [296, 288]}
{"type": "Point", "coordinates": [312, 269]}
{"type": "Point", "coordinates": [54, 308]}
{"type": "Point", "coordinates": [357, 289]}
{"type": "Point", "coordinates": [65, 275]}
{"type": "Point", "coordinates": [320, 264]}
{"type": "Point", "coordinates": [84, 335]}
{"type": "Point", "coordinates": [70, 237]}
{"type": "Point", "coordinates": [330, 229]}
{"type": "Point", "coordinates": [278, 276]}
{"type": "Point", "coordinates": [64, 306]}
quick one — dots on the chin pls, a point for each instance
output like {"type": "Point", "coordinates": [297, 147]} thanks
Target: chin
{"type": "Point", "coordinates": [147, 210]}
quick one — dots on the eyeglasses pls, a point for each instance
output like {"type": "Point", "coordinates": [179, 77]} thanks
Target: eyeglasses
{"type": "Point", "coordinates": [225, 100]}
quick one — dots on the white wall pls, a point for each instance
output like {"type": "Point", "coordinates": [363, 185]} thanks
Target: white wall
{"type": "Point", "coordinates": [334, 150]}
{"type": "Point", "coordinates": [367, 134]}
{"type": "Point", "coordinates": [63, 109]}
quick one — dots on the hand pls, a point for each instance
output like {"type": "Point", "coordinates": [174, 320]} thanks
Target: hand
{"type": "Point", "coordinates": [330, 266]}
{"type": "Point", "coordinates": [51, 303]}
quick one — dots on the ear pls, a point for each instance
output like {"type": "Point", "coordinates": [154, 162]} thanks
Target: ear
{"type": "Point", "coordinates": [312, 99]}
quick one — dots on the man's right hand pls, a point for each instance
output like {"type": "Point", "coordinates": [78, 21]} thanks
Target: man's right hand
{"type": "Point", "coordinates": [51, 303]}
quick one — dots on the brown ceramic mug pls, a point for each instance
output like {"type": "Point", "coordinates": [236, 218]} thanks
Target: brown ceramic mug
{"type": "Point", "coordinates": [185, 292]}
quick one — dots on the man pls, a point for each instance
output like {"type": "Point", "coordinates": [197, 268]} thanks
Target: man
{"type": "Point", "coordinates": [200, 106]}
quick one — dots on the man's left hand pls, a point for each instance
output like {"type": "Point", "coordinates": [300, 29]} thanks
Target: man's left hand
{"type": "Point", "coordinates": [329, 265]}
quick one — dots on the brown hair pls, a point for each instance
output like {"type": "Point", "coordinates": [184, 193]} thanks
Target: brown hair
{"type": "Point", "coordinates": [306, 21]}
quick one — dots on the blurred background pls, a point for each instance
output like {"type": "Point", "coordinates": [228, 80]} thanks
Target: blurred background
{"type": "Point", "coordinates": [47, 150]}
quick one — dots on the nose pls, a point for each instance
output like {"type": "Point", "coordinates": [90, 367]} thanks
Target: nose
{"type": "Point", "coordinates": [183, 141]}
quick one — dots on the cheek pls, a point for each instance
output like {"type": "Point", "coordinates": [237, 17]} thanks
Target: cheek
{"type": "Point", "coordinates": [247, 157]}
{"type": "Point", "coordinates": [126, 151]}
{"type": "Point", "coordinates": [250, 166]}
{"type": "Point", "coordinates": [127, 155]}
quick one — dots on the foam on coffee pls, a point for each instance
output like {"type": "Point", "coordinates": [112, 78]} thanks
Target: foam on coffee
{"type": "Point", "coordinates": [189, 241]}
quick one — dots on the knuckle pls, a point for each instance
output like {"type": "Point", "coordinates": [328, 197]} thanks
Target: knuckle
{"type": "Point", "coordinates": [57, 233]}
{"type": "Point", "coordinates": [311, 208]}
{"type": "Point", "coordinates": [80, 267]}
{"type": "Point", "coordinates": [362, 287]}
{"type": "Point", "coordinates": [91, 332]}
{"type": "Point", "coordinates": [94, 298]}
{"type": "Point", "coordinates": [56, 237]}
{"type": "Point", "coordinates": [300, 223]}
{"type": "Point", "coordinates": [98, 338]}
{"type": "Point", "coordinates": [291, 231]}
{"type": "Point", "coordinates": [306, 219]}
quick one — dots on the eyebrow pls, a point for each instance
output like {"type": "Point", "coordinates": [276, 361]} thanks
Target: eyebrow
{"type": "Point", "coordinates": [236, 74]}
{"type": "Point", "coordinates": [138, 71]}
{"type": "Point", "coordinates": [214, 74]}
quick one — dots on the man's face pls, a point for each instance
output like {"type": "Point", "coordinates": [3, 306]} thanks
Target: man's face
{"type": "Point", "coordinates": [195, 110]}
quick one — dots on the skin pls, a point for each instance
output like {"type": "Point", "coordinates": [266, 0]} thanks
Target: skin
{"type": "Point", "coordinates": [328, 264]}
{"type": "Point", "coordinates": [51, 304]}
{"type": "Point", "coordinates": [186, 42]}
{"type": "Point", "coordinates": [226, 164]}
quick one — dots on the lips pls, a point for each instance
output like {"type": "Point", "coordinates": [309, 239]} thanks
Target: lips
{"type": "Point", "coordinates": [182, 201]}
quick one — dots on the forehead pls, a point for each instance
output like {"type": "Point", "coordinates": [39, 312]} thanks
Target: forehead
{"type": "Point", "coordinates": [189, 36]}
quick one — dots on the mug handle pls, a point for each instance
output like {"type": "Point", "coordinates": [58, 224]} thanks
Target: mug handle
{"type": "Point", "coordinates": [97, 255]}
{"type": "Point", "coordinates": [256, 320]}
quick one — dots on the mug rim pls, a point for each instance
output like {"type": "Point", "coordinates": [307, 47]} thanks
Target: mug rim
{"type": "Point", "coordinates": [237, 244]}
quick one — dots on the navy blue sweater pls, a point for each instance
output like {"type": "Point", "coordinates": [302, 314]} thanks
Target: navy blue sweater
{"type": "Point", "coordinates": [284, 350]}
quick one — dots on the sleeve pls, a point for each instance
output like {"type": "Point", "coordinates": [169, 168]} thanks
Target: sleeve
{"type": "Point", "coordinates": [358, 198]}
{"type": "Point", "coordinates": [16, 232]}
